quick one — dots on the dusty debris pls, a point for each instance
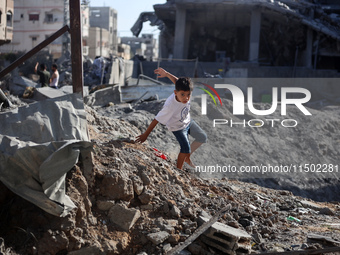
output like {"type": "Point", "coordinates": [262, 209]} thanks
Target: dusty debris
{"type": "Point", "coordinates": [4, 101]}
{"type": "Point", "coordinates": [173, 202]}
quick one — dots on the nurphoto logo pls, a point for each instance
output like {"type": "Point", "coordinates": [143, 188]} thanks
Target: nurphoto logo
{"type": "Point", "coordinates": [239, 105]}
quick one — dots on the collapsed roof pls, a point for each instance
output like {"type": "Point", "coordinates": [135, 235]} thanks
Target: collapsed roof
{"type": "Point", "coordinates": [225, 24]}
{"type": "Point", "coordinates": [322, 19]}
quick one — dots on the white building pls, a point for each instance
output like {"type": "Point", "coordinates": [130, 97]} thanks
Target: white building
{"type": "Point", "coordinates": [36, 20]}
{"type": "Point", "coordinates": [6, 21]}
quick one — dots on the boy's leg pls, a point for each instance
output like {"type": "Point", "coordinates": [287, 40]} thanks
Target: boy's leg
{"type": "Point", "coordinates": [183, 140]}
{"type": "Point", "coordinates": [195, 145]}
{"type": "Point", "coordinates": [200, 137]}
{"type": "Point", "coordinates": [181, 158]}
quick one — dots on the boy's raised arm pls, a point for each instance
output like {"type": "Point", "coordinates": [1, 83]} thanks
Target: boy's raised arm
{"type": "Point", "coordinates": [162, 73]}
{"type": "Point", "coordinates": [141, 138]}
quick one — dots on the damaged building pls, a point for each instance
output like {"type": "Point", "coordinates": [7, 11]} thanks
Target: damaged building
{"type": "Point", "coordinates": [6, 21]}
{"type": "Point", "coordinates": [302, 33]}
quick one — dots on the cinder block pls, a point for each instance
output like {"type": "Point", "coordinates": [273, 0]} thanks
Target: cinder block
{"type": "Point", "coordinates": [226, 239]}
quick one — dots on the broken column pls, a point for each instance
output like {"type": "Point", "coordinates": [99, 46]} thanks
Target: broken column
{"type": "Point", "coordinates": [254, 41]}
{"type": "Point", "coordinates": [226, 239]}
{"type": "Point", "coordinates": [309, 49]}
{"type": "Point", "coordinates": [179, 44]}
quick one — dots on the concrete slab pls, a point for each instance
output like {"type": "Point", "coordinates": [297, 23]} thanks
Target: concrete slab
{"type": "Point", "coordinates": [124, 217]}
{"type": "Point", "coordinates": [159, 237]}
{"type": "Point", "coordinates": [311, 205]}
{"type": "Point", "coordinates": [69, 90]}
{"type": "Point", "coordinates": [46, 93]}
{"type": "Point", "coordinates": [104, 96]}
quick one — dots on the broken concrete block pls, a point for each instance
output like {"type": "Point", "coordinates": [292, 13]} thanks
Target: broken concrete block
{"type": "Point", "coordinates": [105, 205]}
{"type": "Point", "coordinates": [104, 96]}
{"type": "Point", "coordinates": [115, 186]}
{"type": "Point", "coordinates": [159, 237]}
{"type": "Point", "coordinates": [174, 238]}
{"type": "Point", "coordinates": [167, 248]}
{"type": "Point", "coordinates": [147, 207]}
{"type": "Point", "coordinates": [226, 239]}
{"type": "Point", "coordinates": [175, 212]}
{"type": "Point", "coordinates": [110, 246]}
{"type": "Point", "coordinates": [327, 211]}
{"type": "Point", "coordinates": [124, 217]}
{"type": "Point", "coordinates": [146, 197]}
{"type": "Point", "coordinates": [145, 178]}
{"type": "Point", "coordinates": [137, 184]}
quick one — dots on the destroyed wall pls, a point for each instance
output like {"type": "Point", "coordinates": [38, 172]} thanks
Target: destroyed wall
{"type": "Point", "coordinates": [287, 33]}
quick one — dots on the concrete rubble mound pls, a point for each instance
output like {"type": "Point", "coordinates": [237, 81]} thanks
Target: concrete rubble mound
{"type": "Point", "coordinates": [130, 201]}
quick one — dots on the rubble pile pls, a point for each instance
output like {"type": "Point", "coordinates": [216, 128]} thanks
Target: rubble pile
{"type": "Point", "coordinates": [136, 202]}
{"type": "Point", "coordinates": [315, 140]}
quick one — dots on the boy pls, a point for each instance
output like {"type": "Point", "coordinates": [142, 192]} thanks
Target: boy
{"type": "Point", "coordinates": [176, 116]}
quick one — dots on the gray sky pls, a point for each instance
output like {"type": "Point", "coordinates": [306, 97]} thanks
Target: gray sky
{"type": "Point", "coordinates": [128, 12]}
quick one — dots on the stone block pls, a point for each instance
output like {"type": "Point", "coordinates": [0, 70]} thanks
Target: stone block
{"type": "Point", "coordinates": [105, 205]}
{"type": "Point", "coordinates": [124, 217]}
{"type": "Point", "coordinates": [159, 237]}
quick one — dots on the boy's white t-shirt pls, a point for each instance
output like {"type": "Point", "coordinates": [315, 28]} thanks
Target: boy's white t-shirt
{"type": "Point", "coordinates": [175, 115]}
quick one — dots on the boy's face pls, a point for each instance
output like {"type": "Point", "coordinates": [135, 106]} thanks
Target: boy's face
{"type": "Point", "coordinates": [183, 96]}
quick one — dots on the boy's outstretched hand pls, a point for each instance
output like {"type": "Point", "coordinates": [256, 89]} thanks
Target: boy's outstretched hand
{"type": "Point", "coordinates": [141, 138]}
{"type": "Point", "coordinates": [161, 72]}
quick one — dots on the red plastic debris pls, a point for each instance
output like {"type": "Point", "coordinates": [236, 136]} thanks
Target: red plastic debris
{"type": "Point", "coordinates": [160, 154]}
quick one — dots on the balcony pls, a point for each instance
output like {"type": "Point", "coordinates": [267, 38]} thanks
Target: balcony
{"type": "Point", "coordinates": [9, 34]}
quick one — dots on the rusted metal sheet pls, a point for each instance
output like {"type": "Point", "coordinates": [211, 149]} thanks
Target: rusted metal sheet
{"type": "Point", "coordinates": [76, 47]}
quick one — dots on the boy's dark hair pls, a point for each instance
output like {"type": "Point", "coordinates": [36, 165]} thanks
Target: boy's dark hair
{"type": "Point", "coordinates": [55, 66]}
{"type": "Point", "coordinates": [184, 84]}
{"type": "Point", "coordinates": [43, 66]}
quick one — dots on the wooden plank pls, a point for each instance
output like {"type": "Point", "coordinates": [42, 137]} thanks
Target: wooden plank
{"type": "Point", "coordinates": [177, 249]}
{"type": "Point", "coordinates": [76, 47]}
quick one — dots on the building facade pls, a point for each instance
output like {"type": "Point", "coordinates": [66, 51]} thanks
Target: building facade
{"type": "Point", "coordinates": [6, 21]}
{"type": "Point", "coordinates": [99, 44]}
{"type": "Point", "coordinates": [33, 22]}
{"type": "Point", "coordinates": [124, 50]}
{"type": "Point", "coordinates": [106, 18]}
{"type": "Point", "coordinates": [85, 16]}
{"type": "Point", "coordinates": [36, 20]}
{"type": "Point", "coordinates": [145, 46]}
